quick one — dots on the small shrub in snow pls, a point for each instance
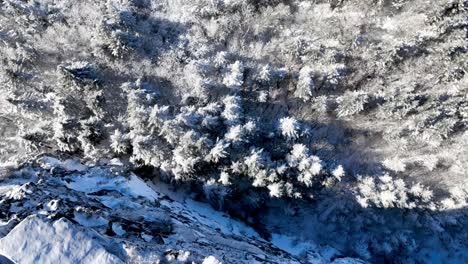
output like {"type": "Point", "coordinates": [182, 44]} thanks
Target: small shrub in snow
{"type": "Point", "coordinates": [235, 77]}
{"type": "Point", "coordinates": [387, 192]}
{"type": "Point", "coordinates": [218, 151]}
{"type": "Point", "coordinates": [289, 127]}
{"type": "Point", "coordinates": [224, 178]}
{"type": "Point", "coordinates": [338, 172]}
{"type": "Point", "coordinates": [232, 113]}
{"type": "Point", "coordinates": [305, 85]}
{"type": "Point", "coordinates": [351, 103]}
{"type": "Point", "coordinates": [394, 164]}
{"type": "Point", "coordinates": [276, 190]}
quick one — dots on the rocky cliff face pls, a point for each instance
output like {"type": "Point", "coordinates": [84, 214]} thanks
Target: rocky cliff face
{"type": "Point", "coordinates": [71, 213]}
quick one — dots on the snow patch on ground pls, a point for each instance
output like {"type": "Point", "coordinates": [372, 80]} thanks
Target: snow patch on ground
{"type": "Point", "coordinates": [89, 220]}
{"type": "Point", "coordinates": [133, 186]}
{"type": "Point", "coordinates": [203, 213]}
{"type": "Point", "coordinates": [11, 185]}
{"type": "Point", "coordinates": [8, 188]}
{"type": "Point", "coordinates": [211, 260]}
{"type": "Point", "coordinates": [68, 165]}
{"type": "Point", "coordinates": [137, 187]}
{"type": "Point", "coordinates": [289, 245]}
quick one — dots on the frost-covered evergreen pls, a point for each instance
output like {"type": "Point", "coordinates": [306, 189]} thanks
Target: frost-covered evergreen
{"type": "Point", "coordinates": [337, 107]}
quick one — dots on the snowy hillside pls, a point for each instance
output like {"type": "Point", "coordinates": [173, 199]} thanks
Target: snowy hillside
{"type": "Point", "coordinates": [91, 215]}
{"type": "Point", "coordinates": [278, 131]}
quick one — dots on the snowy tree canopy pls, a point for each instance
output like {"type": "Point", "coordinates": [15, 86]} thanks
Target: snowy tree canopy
{"type": "Point", "coordinates": [317, 109]}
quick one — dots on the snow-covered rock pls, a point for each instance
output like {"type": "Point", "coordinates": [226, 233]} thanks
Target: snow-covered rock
{"type": "Point", "coordinates": [37, 240]}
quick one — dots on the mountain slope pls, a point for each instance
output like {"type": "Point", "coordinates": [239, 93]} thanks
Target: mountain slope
{"type": "Point", "coordinates": [67, 212]}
